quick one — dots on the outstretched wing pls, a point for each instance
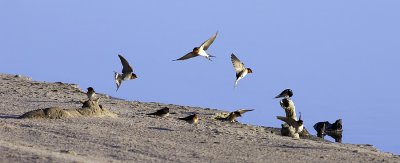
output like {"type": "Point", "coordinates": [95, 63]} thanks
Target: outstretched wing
{"type": "Point", "coordinates": [187, 56]}
{"type": "Point", "coordinates": [208, 42]}
{"type": "Point", "coordinates": [242, 111]}
{"type": "Point", "coordinates": [289, 121]}
{"type": "Point", "coordinates": [126, 68]}
{"type": "Point", "coordinates": [239, 66]}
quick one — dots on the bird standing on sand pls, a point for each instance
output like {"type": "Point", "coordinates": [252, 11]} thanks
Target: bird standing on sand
{"type": "Point", "coordinates": [91, 94]}
{"type": "Point", "coordinates": [127, 72]}
{"type": "Point", "coordinates": [238, 113]}
{"type": "Point", "coordinates": [192, 119]}
{"type": "Point", "coordinates": [298, 125]}
{"type": "Point", "coordinates": [241, 70]}
{"type": "Point", "coordinates": [164, 112]}
{"type": "Point", "coordinates": [200, 51]}
{"type": "Point", "coordinates": [287, 103]}
{"type": "Point", "coordinates": [334, 130]}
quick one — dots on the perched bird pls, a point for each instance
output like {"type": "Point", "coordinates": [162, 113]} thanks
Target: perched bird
{"type": "Point", "coordinates": [287, 104]}
{"type": "Point", "coordinates": [298, 125]}
{"type": "Point", "coordinates": [91, 94]}
{"type": "Point", "coordinates": [192, 119]}
{"type": "Point", "coordinates": [333, 130]}
{"type": "Point", "coordinates": [241, 70]}
{"type": "Point", "coordinates": [127, 72]}
{"type": "Point", "coordinates": [238, 113]}
{"type": "Point", "coordinates": [285, 93]}
{"type": "Point", "coordinates": [327, 127]}
{"type": "Point", "coordinates": [161, 113]}
{"type": "Point", "coordinates": [200, 51]}
{"type": "Point", "coordinates": [320, 127]}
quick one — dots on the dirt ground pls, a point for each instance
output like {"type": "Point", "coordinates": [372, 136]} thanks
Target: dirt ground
{"type": "Point", "coordinates": [132, 136]}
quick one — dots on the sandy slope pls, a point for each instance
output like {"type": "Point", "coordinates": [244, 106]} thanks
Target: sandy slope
{"type": "Point", "coordinates": [135, 137]}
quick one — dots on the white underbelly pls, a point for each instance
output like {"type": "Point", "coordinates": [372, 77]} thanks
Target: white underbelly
{"type": "Point", "coordinates": [203, 53]}
{"type": "Point", "coordinates": [126, 76]}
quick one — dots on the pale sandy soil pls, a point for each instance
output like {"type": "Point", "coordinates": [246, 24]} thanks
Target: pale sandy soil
{"type": "Point", "coordinates": [135, 137]}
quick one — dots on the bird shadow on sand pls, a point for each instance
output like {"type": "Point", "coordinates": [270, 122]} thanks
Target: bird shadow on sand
{"type": "Point", "coordinates": [160, 128]}
{"type": "Point", "coordinates": [8, 116]}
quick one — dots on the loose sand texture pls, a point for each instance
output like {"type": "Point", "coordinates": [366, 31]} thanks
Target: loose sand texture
{"type": "Point", "coordinates": [129, 135]}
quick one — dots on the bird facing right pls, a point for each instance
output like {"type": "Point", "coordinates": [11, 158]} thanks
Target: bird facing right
{"type": "Point", "coordinates": [164, 112]}
{"type": "Point", "coordinates": [192, 119]}
{"type": "Point", "coordinates": [241, 70]}
{"type": "Point", "coordinates": [127, 72]}
{"type": "Point", "coordinates": [238, 113]}
{"type": "Point", "coordinates": [200, 51]}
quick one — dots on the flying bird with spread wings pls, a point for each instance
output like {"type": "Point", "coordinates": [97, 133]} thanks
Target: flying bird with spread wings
{"type": "Point", "coordinates": [127, 72]}
{"type": "Point", "coordinates": [200, 51]}
{"type": "Point", "coordinates": [241, 70]}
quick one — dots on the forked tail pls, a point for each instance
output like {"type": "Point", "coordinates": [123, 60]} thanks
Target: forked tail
{"type": "Point", "coordinates": [117, 78]}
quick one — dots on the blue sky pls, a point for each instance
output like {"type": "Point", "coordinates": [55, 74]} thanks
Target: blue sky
{"type": "Point", "coordinates": [339, 57]}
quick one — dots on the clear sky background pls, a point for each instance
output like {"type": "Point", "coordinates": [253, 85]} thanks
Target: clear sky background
{"type": "Point", "coordinates": [341, 58]}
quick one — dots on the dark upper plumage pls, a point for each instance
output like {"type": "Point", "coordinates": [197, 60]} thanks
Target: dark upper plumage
{"type": "Point", "coordinates": [285, 93]}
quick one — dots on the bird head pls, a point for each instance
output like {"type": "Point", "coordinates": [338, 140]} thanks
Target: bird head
{"type": "Point", "coordinates": [166, 109]}
{"type": "Point", "coordinates": [133, 76]}
{"type": "Point", "coordinates": [237, 113]}
{"type": "Point", "coordinates": [249, 70]}
{"type": "Point", "coordinates": [90, 89]}
{"type": "Point", "coordinates": [196, 50]}
{"type": "Point", "coordinates": [289, 92]}
{"type": "Point", "coordinates": [300, 122]}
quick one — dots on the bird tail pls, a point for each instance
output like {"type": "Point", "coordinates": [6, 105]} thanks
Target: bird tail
{"type": "Point", "coordinates": [117, 78]}
{"type": "Point", "coordinates": [116, 75]}
{"type": "Point", "coordinates": [209, 57]}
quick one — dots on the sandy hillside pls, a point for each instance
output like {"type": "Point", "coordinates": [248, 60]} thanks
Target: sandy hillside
{"type": "Point", "coordinates": [134, 137]}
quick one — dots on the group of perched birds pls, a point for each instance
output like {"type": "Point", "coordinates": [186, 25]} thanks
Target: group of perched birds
{"type": "Point", "coordinates": [294, 125]}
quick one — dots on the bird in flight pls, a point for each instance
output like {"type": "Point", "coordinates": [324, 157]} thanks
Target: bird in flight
{"type": "Point", "coordinates": [241, 70]}
{"type": "Point", "coordinates": [127, 72]}
{"type": "Point", "coordinates": [200, 51]}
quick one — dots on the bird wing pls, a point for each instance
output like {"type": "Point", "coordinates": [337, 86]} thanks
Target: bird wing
{"type": "Point", "coordinates": [208, 42]}
{"type": "Point", "coordinates": [242, 111]}
{"type": "Point", "coordinates": [126, 68]}
{"type": "Point", "coordinates": [282, 94]}
{"type": "Point", "coordinates": [289, 121]}
{"type": "Point", "coordinates": [239, 66]}
{"type": "Point", "coordinates": [187, 56]}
